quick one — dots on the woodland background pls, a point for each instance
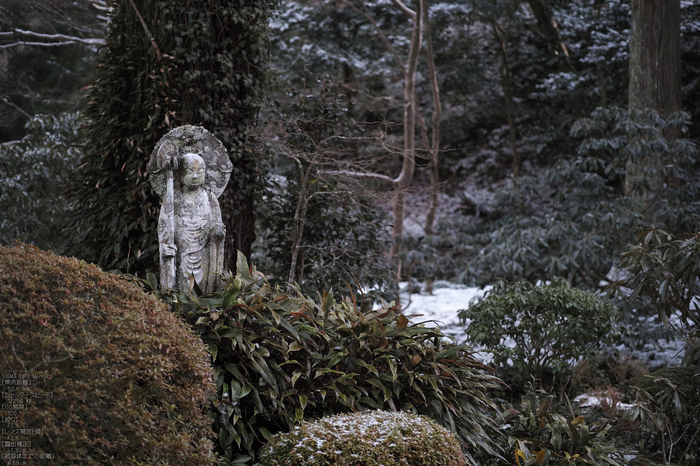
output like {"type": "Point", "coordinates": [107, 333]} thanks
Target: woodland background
{"type": "Point", "coordinates": [545, 147]}
{"type": "Point", "coordinates": [528, 146]}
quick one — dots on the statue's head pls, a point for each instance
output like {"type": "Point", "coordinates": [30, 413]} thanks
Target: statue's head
{"type": "Point", "coordinates": [193, 170]}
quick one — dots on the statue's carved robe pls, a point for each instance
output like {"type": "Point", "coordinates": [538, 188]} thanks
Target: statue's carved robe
{"type": "Point", "coordinates": [197, 250]}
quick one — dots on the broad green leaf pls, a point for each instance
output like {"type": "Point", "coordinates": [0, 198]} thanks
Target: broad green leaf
{"type": "Point", "coordinates": [242, 268]}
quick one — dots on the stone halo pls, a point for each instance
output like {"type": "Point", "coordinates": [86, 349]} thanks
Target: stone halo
{"type": "Point", "coordinates": [197, 140]}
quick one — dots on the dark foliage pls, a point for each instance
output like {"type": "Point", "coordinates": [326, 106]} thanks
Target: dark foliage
{"type": "Point", "coordinates": [280, 359]}
{"type": "Point", "coordinates": [543, 432]}
{"type": "Point", "coordinates": [666, 410]}
{"type": "Point", "coordinates": [340, 230]}
{"type": "Point", "coordinates": [114, 377]}
{"type": "Point", "coordinates": [194, 62]}
{"type": "Point", "coordinates": [46, 78]}
{"type": "Point", "coordinates": [35, 171]}
{"type": "Point", "coordinates": [576, 218]}
{"type": "Point", "coordinates": [665, 269]}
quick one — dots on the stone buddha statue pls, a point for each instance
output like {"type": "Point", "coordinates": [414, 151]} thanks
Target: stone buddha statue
{"type": "Point", "coordinates": [189, 169]}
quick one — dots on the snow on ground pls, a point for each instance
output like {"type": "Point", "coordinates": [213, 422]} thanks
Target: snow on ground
{"type": "Point", "coordinates": [441, 307]}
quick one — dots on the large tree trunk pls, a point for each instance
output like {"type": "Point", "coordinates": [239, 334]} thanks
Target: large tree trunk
{"type": "Point", "coordinates": [655, 80]}
{"type": "Point", "coordinates": [655, 56]}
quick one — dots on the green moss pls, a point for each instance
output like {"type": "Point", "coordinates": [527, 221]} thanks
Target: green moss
{"type": "Point", "coordinates": [114, 376]}
{"type": "Point", "coordinates": [369, 438]}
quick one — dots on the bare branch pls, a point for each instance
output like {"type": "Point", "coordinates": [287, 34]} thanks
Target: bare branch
{"type": "Point", "coordinates": [406, 10]}
{"type": "Point", "coordinates": [145, 28]}
{"type": "Point", "coordinates": [35, 44]}
{"type": "Point", "coordinates": [353, 174]}
{"type": "Point", "coordinates": [101, 5]}
{"type": "Point", "coordinates": [353, 139]}
{"type": "Point", "coordinates": [364, 12]}
{"type": "Point", "coordinates": [9, 143]}
{"type": "Point", "coordinates": [62, 37]}
{"type": "Point", "coordinates": [13, 105]}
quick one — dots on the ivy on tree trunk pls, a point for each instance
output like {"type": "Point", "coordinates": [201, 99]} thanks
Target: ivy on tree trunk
{"type": "Point", "coordinates": [168, 64]}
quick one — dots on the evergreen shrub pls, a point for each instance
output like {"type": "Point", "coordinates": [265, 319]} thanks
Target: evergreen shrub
{"type": "Point", "coordinates": [35, 171]}
{"type": "Point", "coordinates": [666, 409]}
{"type": "Point", "coordinates": [543, 432]}
{"type": "Point", "coordinates": [663, 268]}
{"type": "Point", "coordinates": [552, 325]}
{"type": "Point", "coordinates": [368, 438]}
{"type": "Point", "coordinates": [114, 377]}
{"type": "Point", "coordinates": [283, 358]}
{"type": "Point", "coordinates": [574, 219]}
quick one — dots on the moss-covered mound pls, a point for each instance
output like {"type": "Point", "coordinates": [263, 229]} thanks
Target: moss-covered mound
{"type": "Point", "coordinates": [370, 438]}
{"type": "Point", "coordinates": [101, 373]}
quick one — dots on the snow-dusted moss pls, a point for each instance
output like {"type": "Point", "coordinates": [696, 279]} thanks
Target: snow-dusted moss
{"type": "Point", "coordinates": [369, 438]}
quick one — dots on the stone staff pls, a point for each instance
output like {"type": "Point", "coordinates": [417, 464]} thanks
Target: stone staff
{"type": "Point", "coordinates": [167, 161]}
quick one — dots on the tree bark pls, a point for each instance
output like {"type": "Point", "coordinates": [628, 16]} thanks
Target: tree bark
{"type": "Point", "coordinates": [507, 84]}
{"type": "Point", "coordinates": [655, 56]}
{"type": "Point", "coordinates": [437, 115]}
{"type": "Point", "coordinates": [655, 78]}
{"type": "Point", "coordinates": [409, 130]}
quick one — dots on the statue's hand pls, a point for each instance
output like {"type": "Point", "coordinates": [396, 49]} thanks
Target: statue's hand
{"type": "Point", "coordinates": [167, 156]}
{"type": "Point", "coordinates": [169, 250]}
{"type": "Point", "coordinates": [218, 231]}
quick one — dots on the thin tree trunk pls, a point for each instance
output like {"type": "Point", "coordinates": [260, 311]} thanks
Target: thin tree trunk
{"type": "Point", "coordinates": [549, 28]}
{"type": "Point", "coordinates": [403, 181]}
{"type": "Point", "coordinates": [507, 84]}
{"type": "Point", "coordinates": [409, 129]}
{"type": "Point", "coordinates": [437, 115]}
{"type": "Point", "coordinates": [299, 223]}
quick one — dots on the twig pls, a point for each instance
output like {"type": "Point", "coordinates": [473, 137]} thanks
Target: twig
{"type": "Point", "coordinates": [404, 8]}
{"type": "Point", "coordinates": [145, 28]}
{"type": "Point", "coordinates": [12, 104]}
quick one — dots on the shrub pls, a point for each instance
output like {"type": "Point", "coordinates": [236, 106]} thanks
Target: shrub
{"type": "Point", "coordinates": [281, 359]}
{"type": "Point", "coordinates": [35, 171]}
{"type": "Point", "coordinates": [542, 433]}
{"type": "Point", "coordinates": [667, 409]}
{"type": "Point", "coordinates": [664, 268]}
{"type": "Point", "coordinates": [553, 325]}
{"type": "Point", "coordinates": [369, 438]}
{"type": "Point", "coordinates": [574, 219]}
{"type": "Point", "coordinates": [114, 377]}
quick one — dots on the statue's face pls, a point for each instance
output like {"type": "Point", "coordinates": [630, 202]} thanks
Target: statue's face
{"type": "Point", "coordinates": [194, 172]}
